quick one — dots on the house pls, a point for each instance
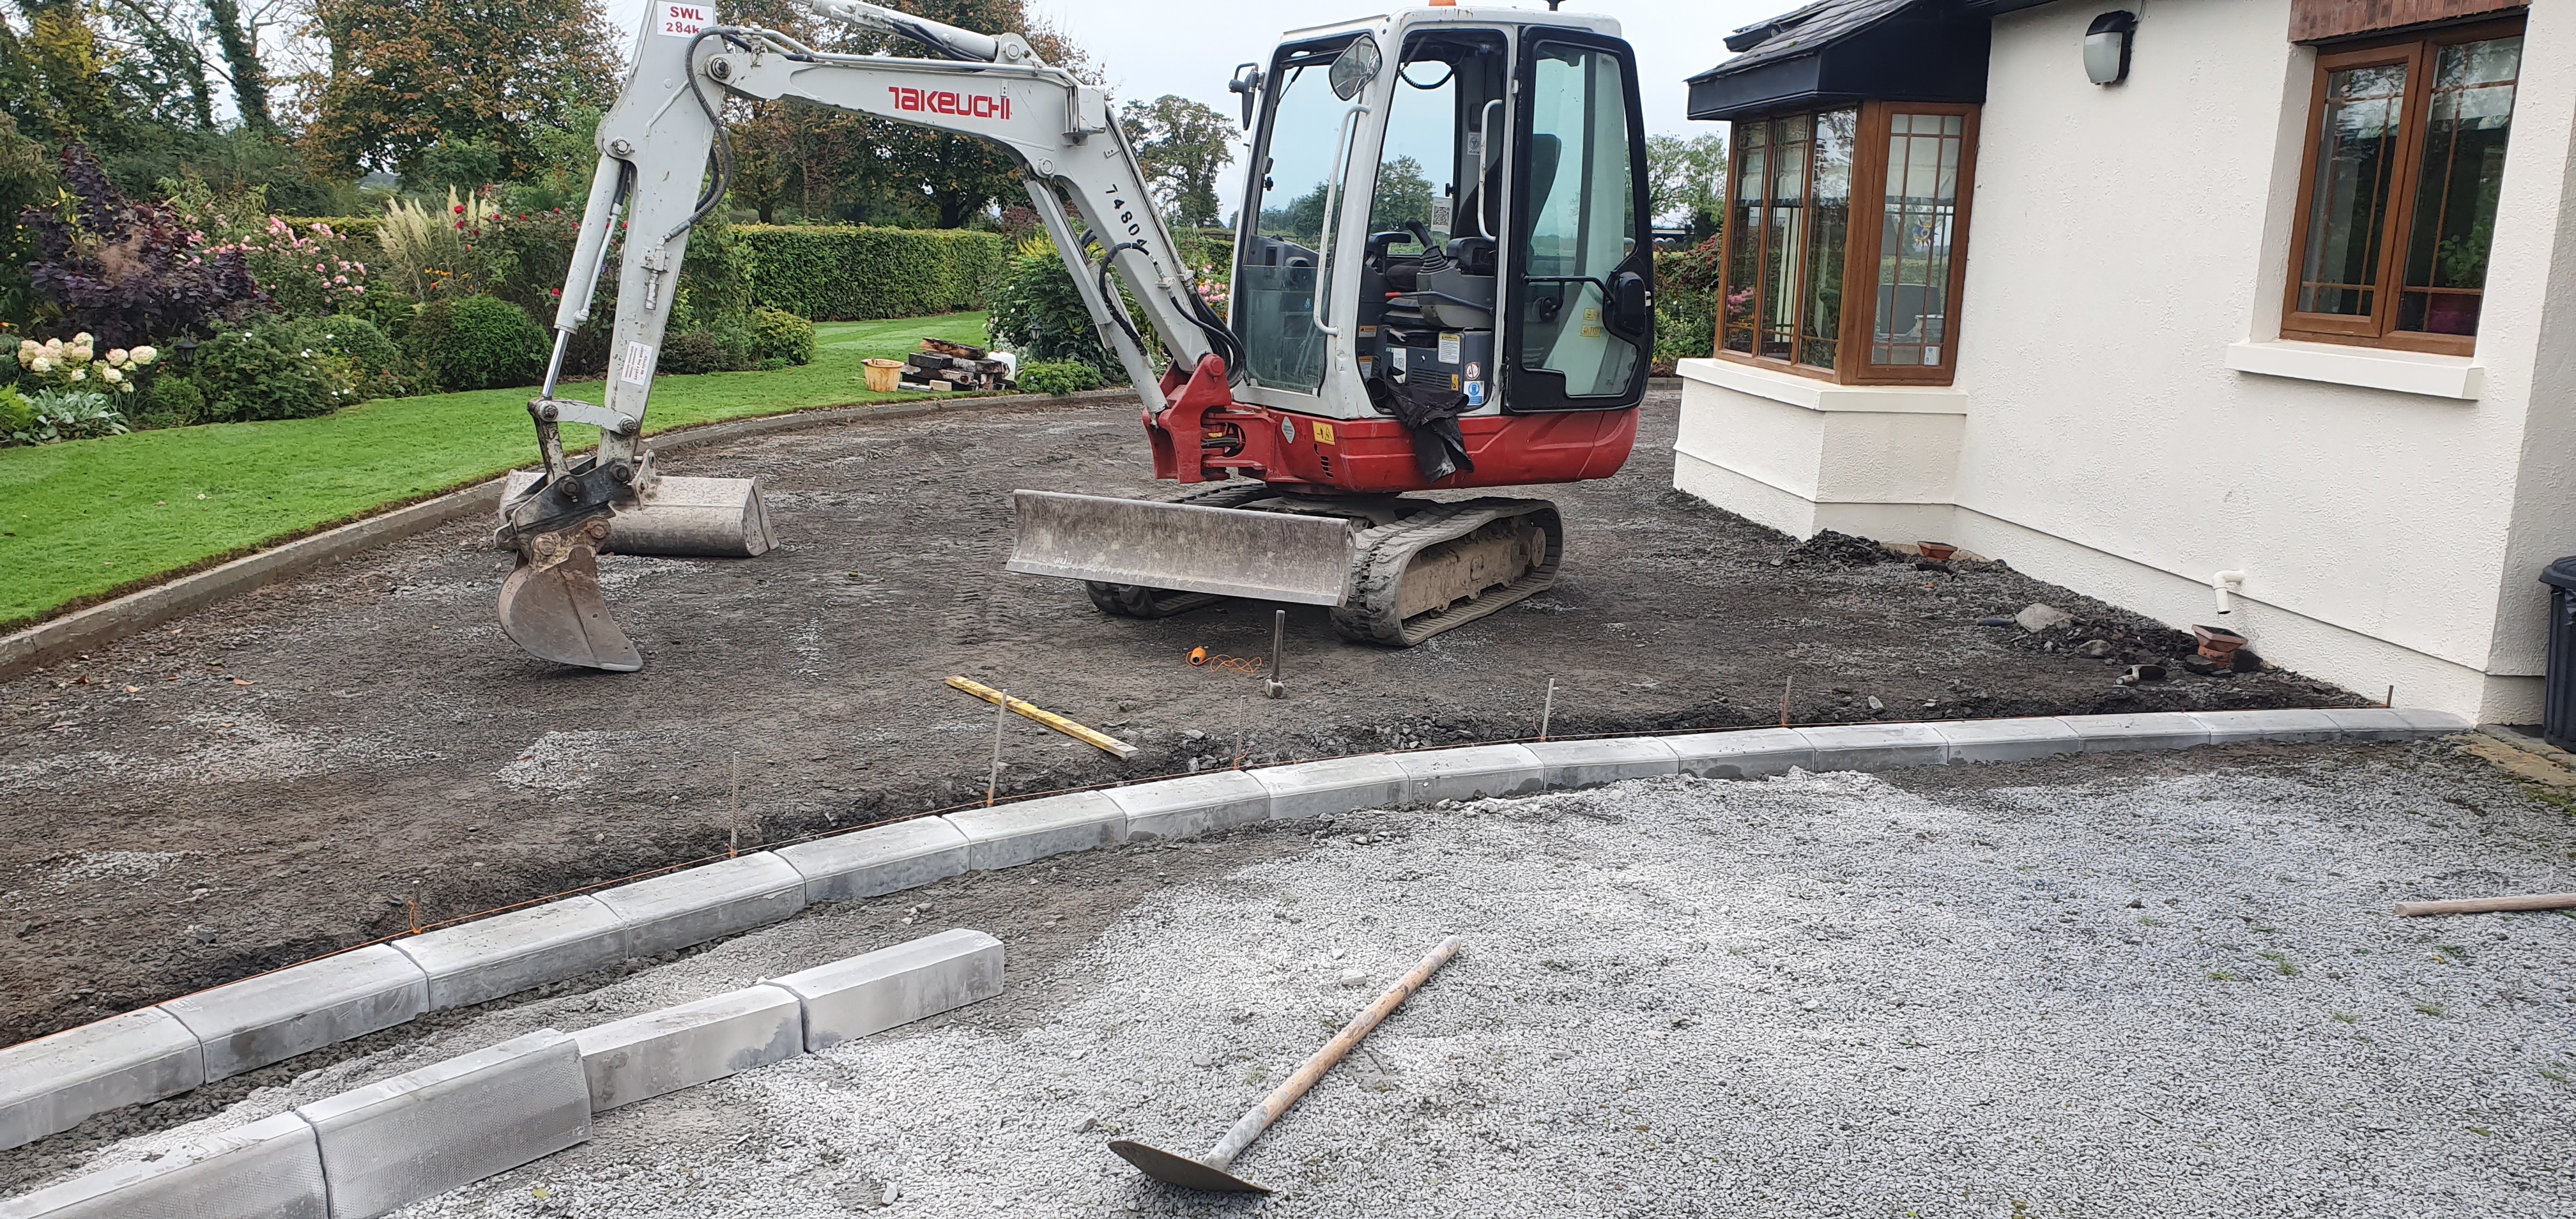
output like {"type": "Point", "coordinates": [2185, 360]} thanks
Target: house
{"type": "Point", "coordinates": [2279, 317]}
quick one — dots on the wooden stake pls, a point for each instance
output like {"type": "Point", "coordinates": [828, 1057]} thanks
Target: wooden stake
{"type": "Point", "coordinates": [733, 815]}
{"type": "Point", "coordinates": [1097, 740]}
{"type": "Point", "coordinates": [993, 781]}
{"type": "Point", "coordinates": [2488, 905]}
{"type": "Point", "coordinates": [1547, 709]}
{"type": "Point", "coordinates": [1784, 699]}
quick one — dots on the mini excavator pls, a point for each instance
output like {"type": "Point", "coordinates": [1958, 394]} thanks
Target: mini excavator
{"type": "Point", "coordinates": [1443, 281]}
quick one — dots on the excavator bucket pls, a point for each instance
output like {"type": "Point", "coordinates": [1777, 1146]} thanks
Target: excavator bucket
{"type": "Point", "coordinates": [1228, 552]}
{"type": "Point", "coordinates": [553, 611]}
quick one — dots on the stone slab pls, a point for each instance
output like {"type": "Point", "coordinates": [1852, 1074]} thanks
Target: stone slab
{"type": "Point", "coordinates": [1751, 754]}
{"type": "Point", "coordinates": [269, 1169]}
{"type": "Point", "coordinates": [1307, 790]}
{"type": "Point", "coordinates": [680, 1047]}
{"type": "Point", "coordinates": [53, 1083]}
{"type": "Point", "coordinates": [507, 953]}
{"type": "Point", "coordinates": [891, 986]}
{"type": "Point", "coordinates": [2236, 727]}
{"type": "Point", "coordinates": [1592, 763]}
{"type": "Point", "coordinates": [1876, 746]}
{"type": "Point", "coordinates": [1007, 835]}
{"type": "Point", "coordinates": [2146, 730]}
{"type": "Point", "coordinates": [1471, 773]}
{"type": "Point", "coordinates": [709, 901]}
{"type": "Point", "coordinates": [2431, 723]}
{"type": "Point", "coordinates": [1192, 805]}
{"type": "Point", "coordinates": [883, 859]}
{"type": "Point", "coordinates": [2015, 740]}
{"type": "Point", "coordinates": [451, 1123]}
{"type": "Point", "coordinates": [279, 1015]}
{"type": "Point", "coordinates": [2370, 723]}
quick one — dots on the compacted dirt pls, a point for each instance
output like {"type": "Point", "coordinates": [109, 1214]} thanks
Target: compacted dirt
{"type": "Point", "coordinates": [322, 762]}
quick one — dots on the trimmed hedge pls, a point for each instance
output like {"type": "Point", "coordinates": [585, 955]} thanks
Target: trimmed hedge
{"type": "Point", "coordinates": [856, 274]}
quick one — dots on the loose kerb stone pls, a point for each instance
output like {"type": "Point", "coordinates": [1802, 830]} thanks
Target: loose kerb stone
{"type": "Point", "coordinates": [2147, 730]}
{"type": "Point", "coordinates": [1193, 805]}
{"type": "Point", "coordinates": [1010, 834]}
{"type": "Point", "coordinates": [1472, 772]}
{"type": "Point", "coordinates": [1307, 790]}
{"type": "Point", "coordinates": [2019, 740]}
{"type": "Point", "coordinates": [695, 905]}
{"type": "Point", "coordinates": [269, 1169]}
{"type": "Point", "coordinates": [451, 1123]}
{"type": "Point", "coordinates": [1875, 746]}
{"type": "Point", "coordinates": [1753, 754]}
{"type": "Point", "coordinates": [679, 1047]}
{"type": "Point", "coordinates": [883, 859]}
{"type": "Point", "coordinates": [507, 953]}
{"type": "Point", "coordinates": [1592, 763]}
{"type": "Point", "coordinates": [891, 986]}
{"type": "Point", "coordinates": [277, 1016]}
{"type": "Point", "coordinates": [53, 1083]}
{"type": "Point", "coordinates": [2235, 727]}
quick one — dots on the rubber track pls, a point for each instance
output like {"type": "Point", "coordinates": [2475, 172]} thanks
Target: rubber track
{"type": "Point", "coordinates": [1381, 555]}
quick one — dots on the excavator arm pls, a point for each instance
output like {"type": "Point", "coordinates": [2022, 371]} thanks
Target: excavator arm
{"type": "Point", "coordinates": [653, 184]}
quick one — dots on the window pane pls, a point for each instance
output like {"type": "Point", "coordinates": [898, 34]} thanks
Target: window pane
{"type": "Point", "coordinates": [1581, 218]}
{"type": "Point", "coordinates": [1820, 324]}
{"type": "Point", "coordinates": [1744, 227]}
{"type": "Point", "coordinates": [2455, 193]}
{"type": "Point", "coordinates": [1275, 287]}
{"type": "Point", "coordinates": [1784, 231]}
{"type": "Point", "coordinates": [1918, 221]}
{"type": "Point", "coordinates": [2356, 152]}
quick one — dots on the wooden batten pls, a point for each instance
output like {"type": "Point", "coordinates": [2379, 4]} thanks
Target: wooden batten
{"type": "Point", "coordinates": [2324, 20]}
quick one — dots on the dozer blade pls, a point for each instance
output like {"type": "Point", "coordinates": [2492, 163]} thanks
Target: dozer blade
{"type": "Point", "coordinates": [554, 612]}
{"type": "Point", "coordinates": [1229, 552]}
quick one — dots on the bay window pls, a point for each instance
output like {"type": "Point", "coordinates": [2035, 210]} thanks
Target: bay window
{"type": "Point", "coordinates": [1873, 196]}
{"type": "Point", "coordinates": [2397, 199]}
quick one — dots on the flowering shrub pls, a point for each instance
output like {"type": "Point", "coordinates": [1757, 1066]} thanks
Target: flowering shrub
{"type": "Point", "coordinates": [246, 375]}
{"type": "Point", "coordinates": [432, 254]}
{"type": "Point", "coordinates": [77, 365]}
{"type": "Point", "coordinates": [128, 271]}
{"type": "Point", "coordinates": [305, 273]}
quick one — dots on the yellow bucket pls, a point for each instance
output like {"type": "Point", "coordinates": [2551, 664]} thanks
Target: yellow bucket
{"type": "Point", "coordinates": [883, 374]}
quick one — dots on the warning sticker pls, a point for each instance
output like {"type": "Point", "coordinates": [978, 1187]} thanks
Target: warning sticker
{"type": "Point", "coordinates": [1454, 382]}
{"type": "Point", "coordinates": [1475, 371]}
{"type": "Point", "coordinates": [1449, 348]}
{"type": "Point", "coordinates": [1475, 393]}
{"type": "Point", "coordinates": [683, 20]}
{"type": "Point", "coordinates": [1323, 433]}
{"type": "Point", "coordinates": [637, 368]}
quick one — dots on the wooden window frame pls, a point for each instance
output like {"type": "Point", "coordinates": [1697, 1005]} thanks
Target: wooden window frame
{"type": "Point", "coordinates": [1860, 253]}
{"type": "Point", "coordinates": [2379, 327]}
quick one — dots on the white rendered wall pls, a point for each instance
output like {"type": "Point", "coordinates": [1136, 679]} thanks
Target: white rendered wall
{"type": "Point", "coordinates": [2124, 238]}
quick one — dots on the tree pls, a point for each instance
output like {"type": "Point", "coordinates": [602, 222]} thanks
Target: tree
{"type": "Point", "coordinates": [1181, 144]}
{"type": "Point", "coordinates": [1686, 181]}
{"type": "Point", "coordinates": [239, 40]}
{"type": "Point", "coordinates": [408, 75]}
{"type": "Point", "coordinates": [1403, 193]}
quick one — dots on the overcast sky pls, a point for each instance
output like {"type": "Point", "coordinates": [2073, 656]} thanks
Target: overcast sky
{"type": "Point", "coordinates": [1147, 48]}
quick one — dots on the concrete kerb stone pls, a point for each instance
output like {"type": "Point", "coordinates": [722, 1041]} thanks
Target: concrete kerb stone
{"type": "Point", "coordinates": [884, 859]}
{"type": "Point", "coordinates": [269, 1169]}
{"type": "Point", "coordinates": [1593, 763]}
{"type": "Point", "coordinates": [451, 1123]}
{"type": "Point", "coordinates": [1472, 772]}
{"type": "Point", "coordinates": [891, 986]}
{"type": "Point", "coordinates": [511, 952]}
{"type": "Point", "coordinates": [277, 1016]}
{"type": "Point", "coordinates": [2148, 730]}
{"type": "Point", "coordinates": [1192, 805]}
{"type": "Point", "coordinates": [54, 1083]}
{"type": "Point", "coordinates": [1754, 754]}
{"type": "Point", "coordinates": [679, 1047]}
{"type": "Point", "coordinates": [34, 647]}
{"type": "Point", "coordinates": [2015, 740]}
{"type": "Point", "coordinates": [2237, 727]}
{"type": "Point", "coordinates": [1875, 746]}
{"type": "Point", "coordinates": [1006, 835]}
{"type": "Point", "coordinates": [695, 905]}
{"type": "Point", "coordinates": [1303, 791]}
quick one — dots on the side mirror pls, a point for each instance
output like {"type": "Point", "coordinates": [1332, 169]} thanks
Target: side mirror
{"type": "Point", "coordinates": [1631, 303]}
{"type": "Point", "coordinates": [1355, 67]}
{"type": "Point", "coordinates": [1247, 81]}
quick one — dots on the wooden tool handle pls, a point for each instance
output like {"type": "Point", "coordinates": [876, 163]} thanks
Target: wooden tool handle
{"type": "Point", "coordinates": [2482, 905]}
{"type": "Point", "coordinates": [1259, 1117]}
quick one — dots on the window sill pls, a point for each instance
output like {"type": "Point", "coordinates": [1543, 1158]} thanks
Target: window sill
{"type": "Point", "coordinates": [2460, 378]}
{"type": "Point", "coordinates": [1820, 395]}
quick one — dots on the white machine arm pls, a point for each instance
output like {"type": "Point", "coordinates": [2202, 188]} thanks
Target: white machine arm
{"type": "Point", "coordinates": [654, 146]}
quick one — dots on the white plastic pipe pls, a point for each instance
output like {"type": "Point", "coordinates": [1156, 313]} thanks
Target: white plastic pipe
{"type": "Point", "coordinates": [2223, 586]}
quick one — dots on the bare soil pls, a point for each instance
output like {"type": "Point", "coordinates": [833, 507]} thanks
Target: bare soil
{"type": "Point", "coordinates": [303, 768]}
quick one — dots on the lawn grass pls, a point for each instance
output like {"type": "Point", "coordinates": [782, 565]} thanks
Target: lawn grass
{"type": "Point", "coordinates": [89, 519]}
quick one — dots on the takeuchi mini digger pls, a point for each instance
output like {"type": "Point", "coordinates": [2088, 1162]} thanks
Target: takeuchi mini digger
{"type": "Point", "coordinates": [1443, 280]}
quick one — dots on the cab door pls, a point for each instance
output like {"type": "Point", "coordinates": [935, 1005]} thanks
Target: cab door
{"type": "Point", "coordinates": [1579, 318]}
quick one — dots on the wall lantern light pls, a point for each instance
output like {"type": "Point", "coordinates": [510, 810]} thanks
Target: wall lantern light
{"type": "Point", "coordinates": [2106, 47]}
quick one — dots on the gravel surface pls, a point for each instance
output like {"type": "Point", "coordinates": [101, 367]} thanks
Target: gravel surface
{"type": "Point", "coordinates": [287, 772]}
{"type": "Point", "coordinates": [2157, 985]}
